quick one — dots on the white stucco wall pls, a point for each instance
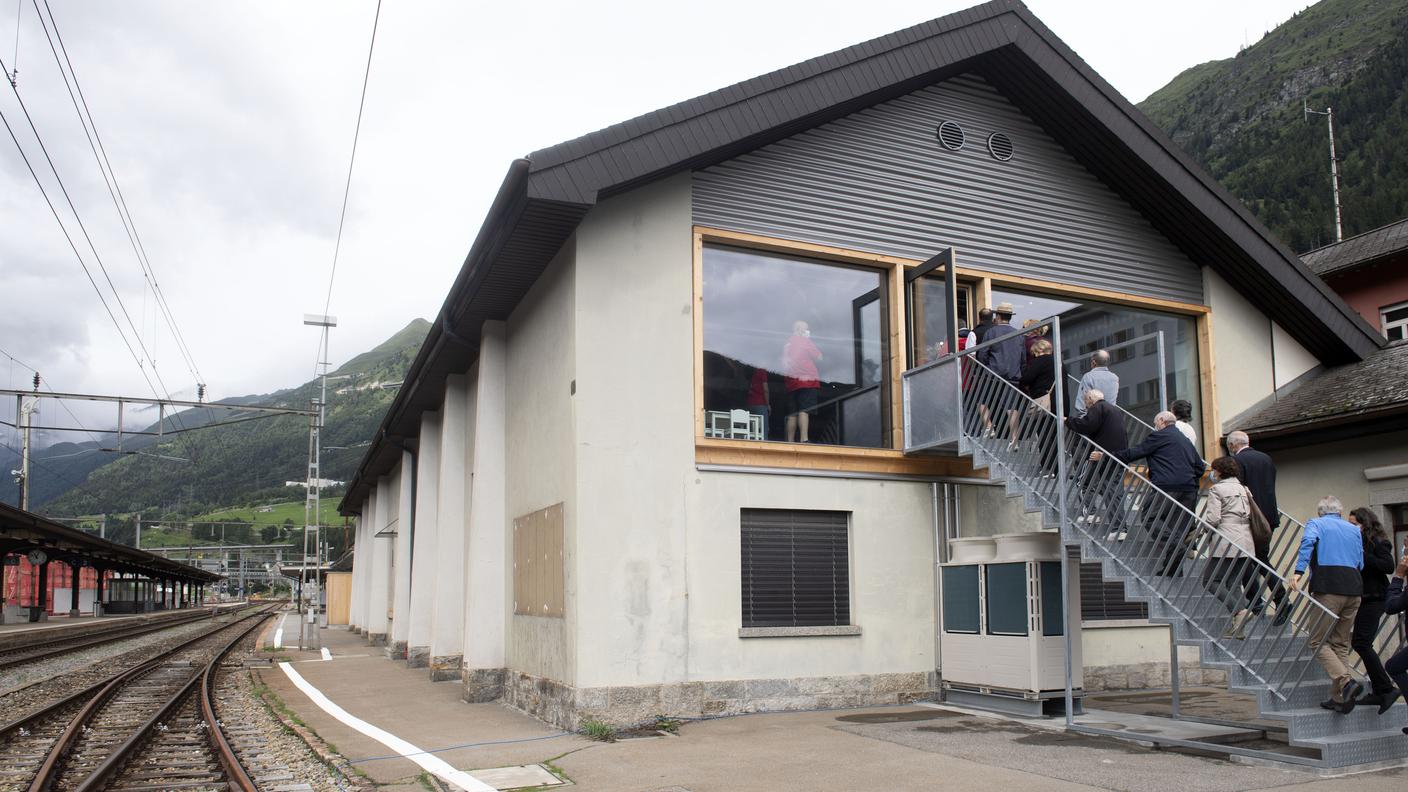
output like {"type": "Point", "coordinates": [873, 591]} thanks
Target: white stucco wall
{"type": "Point", "coordinates": [540, 462]}
{"type": "Point", "coordinates": [1305, 475]}
{"type": "Point", "coordinates": [1242, 349]}
{"type": "Point", "coordinates": [892, 583]}
{"type": "Point", "coordinates": [1291, 359]}
{"type": "Point", "coordinates": [635, 441]}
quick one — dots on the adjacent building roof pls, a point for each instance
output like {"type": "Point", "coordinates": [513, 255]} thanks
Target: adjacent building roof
{"type": "Point", "coordinates": [22, 531]}
{"type": "Point", "coordinates": [1359, 250]}
{"type": "Point", "coordinates": [544, 196]}
{"type": "Point", "coordinates": [1370, 394]}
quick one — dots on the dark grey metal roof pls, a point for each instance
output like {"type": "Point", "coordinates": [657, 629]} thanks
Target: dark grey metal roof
{"type": "Point", "coordinates": [544, 196]}
{"type": "Point", "coordinates": [22, 531]}
{"type": "Point", "coordinates": [1367, 393]}
{"type": "Point", "coordinates": [1358, 250]}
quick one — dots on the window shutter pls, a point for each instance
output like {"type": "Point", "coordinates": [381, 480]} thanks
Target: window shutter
{"type": "Point", "coordinates": [1104, 601]}
{"type": "Point", "coordinates": [795, 568]}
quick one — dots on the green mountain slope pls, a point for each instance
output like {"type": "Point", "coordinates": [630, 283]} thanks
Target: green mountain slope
{"type": "Point", "coordinates": [1242, 119]}
{"type": "Point", "coordinates": [244, 463]}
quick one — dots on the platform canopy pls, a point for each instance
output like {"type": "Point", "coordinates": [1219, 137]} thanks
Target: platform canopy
{"type": "Point", "coordinates": [43, 540]}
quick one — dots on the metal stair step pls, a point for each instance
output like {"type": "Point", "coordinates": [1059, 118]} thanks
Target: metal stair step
{"type": "Point", "coordinates": [1357, 748]}
{"type": "Point", "coordinates": [1362, 737]}
{"type": "Point", "coordinates": [1309, 723]}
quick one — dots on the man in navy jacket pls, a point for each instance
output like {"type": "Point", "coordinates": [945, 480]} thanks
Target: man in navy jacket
{"type": "Point", "coordinates": [1397, 602]}
{"type": "Point", "coordinates": [1333, 550]}
{"type": "Point", "coordinates": [1175, 468]}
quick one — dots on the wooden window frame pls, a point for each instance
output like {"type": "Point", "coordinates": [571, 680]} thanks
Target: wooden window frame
{"type": "Point", "coordinates": [804, 456]}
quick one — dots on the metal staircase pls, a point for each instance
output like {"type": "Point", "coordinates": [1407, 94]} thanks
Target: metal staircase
{"type": "Point", "coordinates": [1192, 577]}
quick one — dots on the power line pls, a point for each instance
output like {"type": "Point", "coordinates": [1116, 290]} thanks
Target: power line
{"type": "Point", "coordinates": [347, 187]}
{"type": "Point", "coordinates": [46, 386]}
{"type": "Point", "coordinates": [78, 218]}
{"type": "Point", "coordinates": [74, 248]}
{"type": "Point", "coordinates": [114, 188]}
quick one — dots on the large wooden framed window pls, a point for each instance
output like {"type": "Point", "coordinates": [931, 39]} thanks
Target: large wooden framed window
{"type": "Point", "coordinates": [795, 568]}
{"type": "Point", "coordinates": [907, 303]}
{"type": "Point", "coordinates": [794, 349]}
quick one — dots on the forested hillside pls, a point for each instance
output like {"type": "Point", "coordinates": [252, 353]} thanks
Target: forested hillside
{"type": "Point", "coordinates": [1242, 119]}
{"type": "Point", "coordinates": [249, 462]}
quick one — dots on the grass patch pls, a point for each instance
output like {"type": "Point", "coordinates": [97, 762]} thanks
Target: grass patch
{"type": "Point", "coordinates": [668, 724]}
{"type": "Point", "coordinates": [597, 730]}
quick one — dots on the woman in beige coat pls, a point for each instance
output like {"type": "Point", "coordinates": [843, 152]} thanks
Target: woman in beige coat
{"type": "Point", "coordinates": [1231, 573]}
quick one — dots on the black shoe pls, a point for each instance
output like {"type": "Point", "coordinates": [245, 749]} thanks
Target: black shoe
{"type": "Point", "coordinates": [1283, 615]}
{"type": "Point", "coordinates": [1329, 704]}
{"type": "Point", "coordinates": [1386, 702]}
{"type": "Point", "coordinates": [1351, 691]}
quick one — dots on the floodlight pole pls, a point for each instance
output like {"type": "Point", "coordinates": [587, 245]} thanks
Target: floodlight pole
{"type": "Point", "coordinates": [312, 504]}
{"type": "Point", "coordinates": [1329, 113]}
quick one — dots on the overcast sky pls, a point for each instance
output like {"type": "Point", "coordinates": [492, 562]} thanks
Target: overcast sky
{"type": "Point", "coordinates": [229, 126]}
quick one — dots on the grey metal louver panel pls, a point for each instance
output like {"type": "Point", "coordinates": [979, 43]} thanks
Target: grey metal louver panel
{"type": "Point", "coordinates": [879, 180]}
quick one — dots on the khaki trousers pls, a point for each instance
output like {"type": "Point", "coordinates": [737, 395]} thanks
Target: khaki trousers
{"type": "Point", "coordinates": [1334, 650]}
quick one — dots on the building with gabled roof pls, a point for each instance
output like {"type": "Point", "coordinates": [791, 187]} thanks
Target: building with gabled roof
{"type": "Point", "coordinates": [652, 456]}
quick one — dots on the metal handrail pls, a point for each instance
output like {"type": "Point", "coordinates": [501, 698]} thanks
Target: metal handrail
{"type": "Point", "coordinates": [1285, 547]}
{"type": "Point", "coordinates": [1102, 488]}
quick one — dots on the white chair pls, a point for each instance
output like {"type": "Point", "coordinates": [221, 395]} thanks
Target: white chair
{"type": "Point", "coordinates": [740, 424]}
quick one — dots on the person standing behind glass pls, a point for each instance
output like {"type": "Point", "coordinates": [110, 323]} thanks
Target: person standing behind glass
{"type": "Point", "coordinates": [1378, 564]}
{"type": "Point", "coordinates": [758, 397]}
{"type": "Point", "coordinates": [803, 380]}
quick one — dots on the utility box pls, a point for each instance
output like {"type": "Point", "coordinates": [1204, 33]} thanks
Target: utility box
{"type": "Point", "coordinates": [1003, 623]}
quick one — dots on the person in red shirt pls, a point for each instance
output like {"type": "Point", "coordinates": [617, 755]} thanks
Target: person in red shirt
{"type": "Point", "coordinates": [758, 396]}
{"type": "Point", "coordinates": [799, 359]}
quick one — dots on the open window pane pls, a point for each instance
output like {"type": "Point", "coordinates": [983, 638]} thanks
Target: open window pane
{"type": "Point", "coordinates": [927, 336]}
{"type": "Point", "coordinates": [794, 349]}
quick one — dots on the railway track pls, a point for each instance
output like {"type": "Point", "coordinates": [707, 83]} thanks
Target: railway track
{"type": "Point", "coordinates": [144, 722]}
{"type": "Point", "coordinates": [44, 650]}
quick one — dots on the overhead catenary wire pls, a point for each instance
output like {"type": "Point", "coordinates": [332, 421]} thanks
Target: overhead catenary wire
{"type": "Point", "coordinates": [43, 383]}
{"type": "Point", "coordinates": [114, 187]}
{"type": "Point", "coordinates": [74, 247]}
{"type": "Point", "coordinates": [347, 186]}
{"type": "Point", "coordinates": [91, 246]}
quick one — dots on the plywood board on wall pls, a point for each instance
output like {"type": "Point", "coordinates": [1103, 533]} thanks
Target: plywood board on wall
{"type": "Point", "coordinates": [537, 563]}
{"type": "Point", "coordinates": [339, 593]}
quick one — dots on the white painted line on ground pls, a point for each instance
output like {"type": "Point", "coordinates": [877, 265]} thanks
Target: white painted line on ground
{"type": "Point", "coordinates": [432, 764]}
{"type": "Point", "coordinates": [326, 654]}
{"type": "Point", "coordinates": [279, 633]}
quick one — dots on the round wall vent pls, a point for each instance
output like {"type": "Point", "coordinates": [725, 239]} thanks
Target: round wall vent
{"type": "Point", "coordinates": [951, 135]}
{"type": "Point", "coordinates": [1000, 146]}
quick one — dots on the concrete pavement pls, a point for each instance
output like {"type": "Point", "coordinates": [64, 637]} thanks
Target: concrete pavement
{"type": "Point", "coordinates": [901, 748]}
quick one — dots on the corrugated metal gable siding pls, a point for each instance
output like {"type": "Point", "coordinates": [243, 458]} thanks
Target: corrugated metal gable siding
{"type": "Point", "coordinates": [878, 180]}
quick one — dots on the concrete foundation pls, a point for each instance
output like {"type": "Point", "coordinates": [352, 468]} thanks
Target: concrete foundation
{"type": "Point", "coordinates": [376, 639]}
{"type": "Point", "coordinates": [418, 657]}
{"type": "Point", "coordinates": [445, 668]}
{"type": "Point", "coordinates": [567, 707]}
{"type": "Point", "coordinates": [482, 685]}
{"type": "Point", "coordinates": [1141, 676]}
{"type": "Point", "coordinates": [396, 650]}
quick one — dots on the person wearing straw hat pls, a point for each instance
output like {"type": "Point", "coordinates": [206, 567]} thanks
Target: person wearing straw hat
{"type": "Point", "coordinates": [1004, 358]}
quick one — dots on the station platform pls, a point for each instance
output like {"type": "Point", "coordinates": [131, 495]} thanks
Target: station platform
{"type": "Point", "coordinates": [909, 747]}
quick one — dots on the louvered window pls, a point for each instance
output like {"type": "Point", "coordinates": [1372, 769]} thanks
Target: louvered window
{"type": "Point", "coordinates": [1104, 601]}
{"type": "Point", "coordinates": [796, 568]}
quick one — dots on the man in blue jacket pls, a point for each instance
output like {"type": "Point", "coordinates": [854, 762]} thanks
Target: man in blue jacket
{"type": "Point", "coordinates": [1175, 468]}
{"type": "Point", "coordinates": [1333, 550]}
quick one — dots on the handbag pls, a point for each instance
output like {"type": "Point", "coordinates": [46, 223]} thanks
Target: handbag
{"type": "Point", "coordinates": [1044, 401]}
{"type": "Point", "coordinates": [1261, 527]}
